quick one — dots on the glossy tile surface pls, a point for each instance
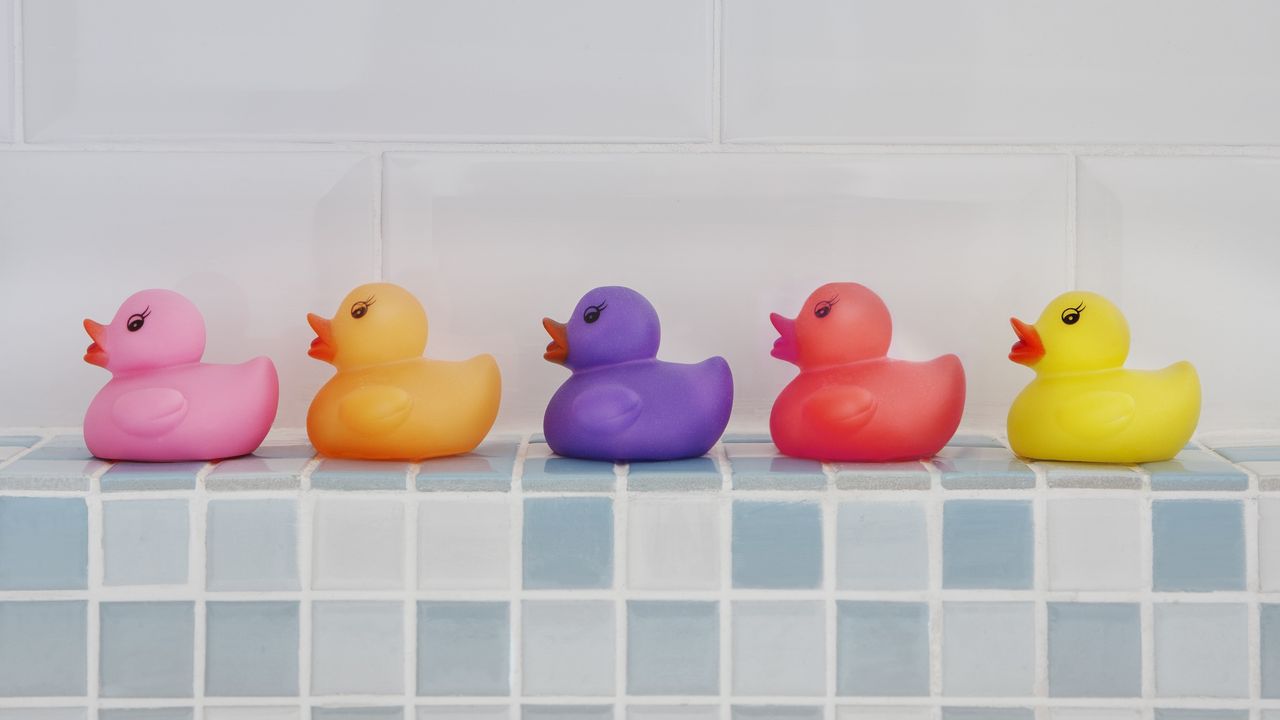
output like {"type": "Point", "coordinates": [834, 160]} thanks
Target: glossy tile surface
{"type": "Point", "coordinates": [882, 546]}
{"type": "Point", "coordinates": [883, 648]}
{"type": "Point", "coordinates": [673, 544]}
{"type": "Point", "coordinates": [777, 544]}
{"type": "Point", "coordinates": [359, 475]}
{"type": "Point", "coordinates": [568, 647]}
{"type": "Point", "coordinates": [45, 649]}
{"type": "Point", "coordinates": [701, 473]}
{"type": "Point", "coordinates": [128, 476]}
{"type": "Point", "coordinates": [567, 474]}
{"type": "Point", "coordinates": [1195, 469]}
{"type": "Point", "coordinates": [568, 543]}
{"type": "Point", "coordinates": [759, 466]}
{"type": "Point", "coordinates": [1201, 650]}
{"type": "Point", "coordinates": [1199, 545]}
{"type": "Point", "coordinates": [464, 544]}
{"type": "Point", "coordinates": [1095, 650]}
{"type": "Point", "coordinates": [971, 468]}
{"type": "Point", "coordinates": [145, 542]}
{"type": "Point", "coordinates": [988, 649]}
{"type": "Point", "coordinates": [673, 648]}
{"type": "Point", "coordinates": [252, 649]}
{"type": "Point", "coordinates": [987, 544]}
{"type": "Point", "coordinates": [463, 648]}
{"type": "Point", "coordinates": [1094, 544]}
{"type": "Point", "coordinates": [252, 545]}
{"type": "Point", "coordinates": [359, 544]}
{"type": "Point", "coordinates": [357, 647]}
{"type": "Point", "coordinates": [488, 467]}
{"type": "Point", "coordinates": [147, 649]}
{"type": "Point", "coordinates": [43, 543]}
{"type": "Point", "coordinates": [778, 648]}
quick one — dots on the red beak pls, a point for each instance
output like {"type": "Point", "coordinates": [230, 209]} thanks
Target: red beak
{"type": "Point", "coordinates": [785, 347]}
{"type": "Point", "coordinates": [1029, 348]}
{"type": "Point", "coordinates": [95, 354]}
{"type": "Point", "coordinates": [558, 349]}
{"type": "Point", "coordinates": [322, 347]}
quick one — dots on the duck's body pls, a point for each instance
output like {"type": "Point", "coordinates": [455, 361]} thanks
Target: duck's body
{"type": "Point", "coordinates": [640, 410]}
{"type": "Point", "coordinates": [878, 410]}
{"type": "Point", "coordinates": [413, 409]}
{"type": "Point", "coordinates": [1115, 416]}
{"type": "Point", "coordinates": [199, 411]}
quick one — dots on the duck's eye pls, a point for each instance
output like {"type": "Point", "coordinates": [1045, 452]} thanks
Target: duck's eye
{"type": "Point", "coordinates": [1071, 315]}
{"type": "Point", "coordinates": [592, 313]}
{"type": "Point", "coordinates": [823, 309]}
{"type": "Point", "coordinates": [360, 309]}
{"type": "Point", "coordinates": [136, 322]}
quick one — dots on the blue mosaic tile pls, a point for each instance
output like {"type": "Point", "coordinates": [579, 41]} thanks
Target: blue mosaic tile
{"type": "Point", "coordinates": [883, 476]}
{"type": "Point", "coordinates": [777, 712]}
{"type": "Point", "coordinates": [463, 712]}
{"type": "Point", "coordinates": [988, 649]}
{"type": "Point", "coordinates": [760, 467]}
{"type": "Point", "coordinates": [257, 473]}
{"type": "Point", "coordinates": [147, 649]}
{"type": "Point", "coordinates": [883, 648]}
{"type": "Point", "coordinates": [1201, 650]}
{"type": "Point", "coordinates": [881, 546]}
{"type": "Point", "coordinates": [673, 712]}
{"type": "Point", "coordinates": [176, 713]}
{"type": "Point", "coordinates": [130, 476]}
{"type": "Point", "coordinates": [566, 712]}
{"type": "Point", "coordinates": [488, 467]}
{"type": "Point", "coordinates": [1198, 714]}
{"type": "Point", "coordinates": [779, 648]}
{"type": "Point", "coordinates": [357, 647]}
{"type": "Point", "coordinates": [777, 545]}
{"type": "Point", "coordinates": [356, 713]}
{"type": "Point", "coordinates": [44, 543]}
{"type": "Point", "coordinates": [568, 474]}
{"type": "Point", "coordinates": [62, 447]}
{"type": "Point", "coordinates": [334, 474]}
{"type": "Point", "coordinates": [1101, 476]}
{"type": "Point", "coordinates": [1195, 470]}
{"type": "Point", "coordinates": [746, 437]}
{"type": "Point", "coordinates": [982, 468]}
{"type": "Point", "coordinates": [673, 648]}
{"type": "Point", "coordinates": [25, 441]}
{"type": "Point", "coordinates": [1248, 453]}
{"type": "Point", "coordinates": [568, 543]}
{"type": "Point", "coordinates": [464, 648]}
{"type": "Point", "coordinates": [1270, 617]}
{"type": "Point", "coordinates": [44, 653]}
{"type": "Point", "coordinates": [700, 473]}
{"type": "Point", "coordinates": [252, 649]}
{"type": "Point", "coordinates": [987, 544]}
{"type": "Point", "coordinates": [145, 542]}
{"type": "Point", "coordinates": [27, 473]}
{"type": "Point", "coordinates": [568, 647]}
{"type": "Point", "coordinates": [1095, 650]}
{"type": "Point", "coordinates": [977, 713]}
{"type": "Point", "coordinates": [26, 713]}
{"type": "Point", "coordinates": [252, 545]}
{"type": "Point", "coordinates": [1199, 545]}
{"type": "Point", "coordinates": [974, 440]}
{"type": "Point", "coordinates": [297, 450]}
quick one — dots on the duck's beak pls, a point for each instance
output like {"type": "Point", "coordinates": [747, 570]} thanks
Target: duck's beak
{"type": "Point", "coordinates": [786, 346]}
{"type": "Point", "coordinates": [558, 349]}
{"type": "Point", "coordinates": [1029, 348]}
{"type": "Point", "coordinates": [95, 354]}
{"type": "Point", "coordinates": [322, 347]}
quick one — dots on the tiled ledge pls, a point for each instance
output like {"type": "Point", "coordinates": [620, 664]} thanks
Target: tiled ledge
{"type": "Point", "coordinates": [512, 583]}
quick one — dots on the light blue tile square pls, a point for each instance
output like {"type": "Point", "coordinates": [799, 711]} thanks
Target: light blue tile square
{"type": "Point", "coordinates": [337, 474]}
{"type": "Point", "coordinates": [881, 546]}
{"type": "Point", "coordinates": [463, 712]}
{"type": "Point", "coordinates": [987, 544]}
{"type": "Point", "coordinates": [25, 441]}
{"type": "Point", "coordinates": [568, 647]}
{"type": "Point", "coordinates": [982, 468]}
{"type": "Point", "coordinates": [566, 712]}
{"type": "Point", "coordinates": [489, 467]}
{"type": "Point", "coordinates": [1101, 476]}
{"type": "Point", "coordinates": [777, 544]}
{"type": "Point", "coordinates": [779, 648]}
{"type": "Point", "coordinates": [974, 440]}
{"type": "Point", "coordinates": [356, 713]}
{"type": "Point", "coordinates": [254, 472]}
{"type": "Point", "coordinates": [913, 475]}
{"type": "Point", "coordinates": [252, 545]}
{"type": "Point", "coordinates": [1201, 650]}
{"type": "Point", "coordinates": [1198, 714]}
{"type": "Point", "coordinates": [1095, 650]}
{"type": "Point", "coordinates": [300, 450]}
{"type": "Point", "coordinates": [1270, 650]}
{"type": "Point", "coordinates": [464, 648]}
{"type": "Point", "coordinates": [1248, 453]}
{"type": "Point", "coordinates": [252, 649]}
{"type": "Point", "coordinates": [357, 647]}
{"type": "Point", "coordinates": [132, 476]}
{"type": "Point", "coordinates": [568, 543]}
{"type": "Point", "coordinates": [24, 713]}
{"type": "Point", "coordinates": [44, 543]}
{"type": "Point", "coordinates": [700, 473]}
{"type": "Point", "coordinates": [673, 648]}
{"type": "Point", "coordinates": [673, 712]}
{"type": "Point", "coordinates": [145, 542]}
{"type": "Point", "coordinates": [759, 466]}
{"type": "Point", "coordinates": [988, 649]}
{"type": "Point", "coordinates": [147, 649]}
{"type": "Point", "coordinates": [746, 437]}
{"type": "Point", "coordinates": [1195, 469]}
{"type": "Point", "coordinates": [977, 713]}
{"type": "Point", "coordinates": [883, 648]}
{"type": "Point", "coordinates": [1199, 544]}
{"type": "Point", "coordinates": [568, 474]}
{"type": "Point", "coordinates": [63, 447]}
{"type": "Point", "coordinates": [777, 712]}
{"type": "Point", "coordinates": [174, 713]}
{"type": "Point", "coordinates": [28, 473]}
{"type": "Point", "coordinates": [43, 648]}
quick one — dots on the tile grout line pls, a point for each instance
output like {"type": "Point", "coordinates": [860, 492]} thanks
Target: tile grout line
{"type": "Point", "coordinates": [1146, 605]}
{"type": "Point", "coordinates": [724, 506]}
{"type": "Point", "coordinates": [412, 583]}
{"type": "Point", "coordinates": [830, 512]}
{"type": "Point", "coordinates": [620, 603]}
{"type": "Point", "coordinates": [93, 605]}
{"type": "Point", "coordinates": [197, 579]}
{"type": "Point", "coordinates": [306, 571]}
{"type": "Point", "coordinates": [515, 590]}
{"type": "Point", "coordinates": [934, 535]}
{"type": "Point", "coordinates": [1040, 582]}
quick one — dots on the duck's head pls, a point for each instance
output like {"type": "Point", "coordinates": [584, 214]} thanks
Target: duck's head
{"type": "Point", "coordinates": [839, 323]}
{"type": "Point", "coordinates": [376, 323]}
{"type": "Point", "coordinates": [152, 329]}
{"type": "Point", "coordinates": [610, 325]}
{"type": "Point", "coordinates": [1077, 332]}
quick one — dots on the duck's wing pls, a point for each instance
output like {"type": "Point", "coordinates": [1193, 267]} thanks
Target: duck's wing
{"type": "Point", "coordinates": [375, 409]}
{"type": "Point", "coordinates": [847, 407]}
{"type": "Point", "coordinates": [1097, 414]}
{"type": "Point", "coordinates": [151, 412]}
{"type": "Point", "coordinates": [608, 407]}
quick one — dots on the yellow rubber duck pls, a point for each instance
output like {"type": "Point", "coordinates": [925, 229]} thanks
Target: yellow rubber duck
{"type": "Point", "coordinates": [386, 401]}
{"type": "Point", "coordinates": [1083, 405]}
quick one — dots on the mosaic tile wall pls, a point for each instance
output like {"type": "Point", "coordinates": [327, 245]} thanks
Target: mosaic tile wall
{"type": "Point", "coordinates": [740, 586]}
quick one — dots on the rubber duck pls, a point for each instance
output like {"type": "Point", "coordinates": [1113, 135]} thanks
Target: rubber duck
{"type": "Point", "coordinates": [621, 403]}
{"type": "Point", "coordinates": [851, 403]}
{"type": "Point", "coordinates": [1083, 405]}
{"type": "Point", "coordinates": [386, 401]}
{"type": "Point", "coordinates": [162, 404]}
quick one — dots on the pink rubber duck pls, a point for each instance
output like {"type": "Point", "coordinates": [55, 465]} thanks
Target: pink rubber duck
{"type": "Point", "coordinates": [163, 404]}
{"type": "Point", "coordinates": [850, 402]}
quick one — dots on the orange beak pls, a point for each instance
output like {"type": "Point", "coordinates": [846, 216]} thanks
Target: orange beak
{"type": "Point", "coordinates": [1029, 348]}
{"type": "Point", "coordinates": [95, 354]}
{"type": "Point", "coordinates": [322, 347]}
{"type": "Point", "coordinates": [558, 349]}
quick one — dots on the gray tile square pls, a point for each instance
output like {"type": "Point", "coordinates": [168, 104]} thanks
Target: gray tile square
{"type": "Point", "coordinates": [252, 545]}
{"type": "Point", "coordinates": [145, 542]}
{"type": "Point", "coordinates": [882, 546]}
{"type": "Point", "coordinates": [44, 543]}
{"type": "Point", "coordinates": [252, 649]}
{"type": "Point", "coordinates": [1202, 650]}
{"type": "Point", "coordinates": [779, 648]}
{"type": "Point", "coordinates": [568, 647]}
{"type": "Point", "coordinates": [883, 648]}
{"type": "Point", "coordinates": [1199, 544]}
{"type": "Point", "coordinates": [673, 648]}
{"type": "Point", "coordinates": [568, 543]}
{"type": "Point", "coordinates": [357, 647]}
{"type": "Point", "coordinates": [1095, 650]}
{"type": "Point", "coordinates": [987, 544]}
{"type": "Point", "coordinates": [777, 544]}
{"type": "Point", "coordinates": [43, 648]}
{"type": "Point", "coordinates": [464, 648]}
{"type": "Point", "coordinates": [147, 649]}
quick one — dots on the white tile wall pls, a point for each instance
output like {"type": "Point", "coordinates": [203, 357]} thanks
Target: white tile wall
{"type": "Point", "coordinates": [458, 69]}
{"type": "Point", "coordinates": [7, 70]}
{"type": "Point", "coordinates": [1146, 71]}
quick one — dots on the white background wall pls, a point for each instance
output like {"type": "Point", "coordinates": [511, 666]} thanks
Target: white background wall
{"type": "Point", "coordinates": [968, 159]}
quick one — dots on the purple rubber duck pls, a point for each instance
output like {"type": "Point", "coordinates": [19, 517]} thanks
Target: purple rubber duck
{"type": "Point", "coordinates": [622, 403]}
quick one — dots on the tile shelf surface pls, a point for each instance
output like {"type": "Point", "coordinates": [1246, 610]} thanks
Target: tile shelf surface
{"type": "Point", "coordinates": [514, 583]}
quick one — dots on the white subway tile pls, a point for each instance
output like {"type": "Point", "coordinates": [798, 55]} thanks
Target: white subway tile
{"type": "Point", "coordinates": [8, 37]}
{"type": "Point", "coordinates": [1188, 248]}
{"type": "Point", "coordinates": [495, 70]}
{"type": "Point", "coordinates": [255, 240]}
{"type": "Point", "coordinates": [1091, 71]}
{"type": "Point", "coordinates": [955, 244]}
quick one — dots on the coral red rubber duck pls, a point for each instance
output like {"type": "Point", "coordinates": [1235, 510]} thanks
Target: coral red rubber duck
{"type": "Point", "coordinates": [850, 402]}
